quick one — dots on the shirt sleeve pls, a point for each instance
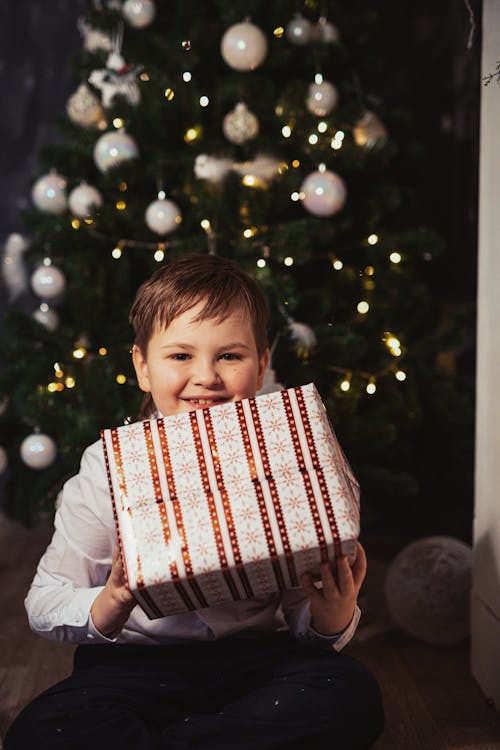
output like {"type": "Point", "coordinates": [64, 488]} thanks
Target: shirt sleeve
{"type": "Point", "coordinates": [76, 564]}
{"type": "Point", "coordinates": [296, 611]}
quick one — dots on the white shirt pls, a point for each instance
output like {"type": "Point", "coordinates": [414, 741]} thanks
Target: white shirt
{"type": "Point", "coordinates": [77, 562]}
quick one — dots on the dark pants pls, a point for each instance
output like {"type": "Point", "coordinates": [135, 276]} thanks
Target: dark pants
{"type": "Point", "coordinates": [233, 694]}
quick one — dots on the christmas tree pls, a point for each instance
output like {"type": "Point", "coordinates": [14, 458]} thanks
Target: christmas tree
{"type": "Point", "coordinates": [250, 130]}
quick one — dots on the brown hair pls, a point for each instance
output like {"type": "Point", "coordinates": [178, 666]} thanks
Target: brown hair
{"type": "Point", "coordinates": [186, 281]}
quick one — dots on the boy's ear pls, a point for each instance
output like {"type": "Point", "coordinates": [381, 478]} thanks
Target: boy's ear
{"type": "Point", "coordinates": [141, 369]}
{"type": "Point", "coordinates": [263, 363]}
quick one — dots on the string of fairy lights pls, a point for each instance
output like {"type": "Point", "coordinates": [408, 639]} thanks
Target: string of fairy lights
{"type": "Point", "coordinates": [324, 135]}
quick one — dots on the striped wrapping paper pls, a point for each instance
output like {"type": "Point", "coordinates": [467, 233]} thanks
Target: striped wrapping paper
{"type": "Point", "coordinates": [229, 502]}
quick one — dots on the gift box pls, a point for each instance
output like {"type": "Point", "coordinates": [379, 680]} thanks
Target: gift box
{"type": "Point", "coordinates": [229, 502]}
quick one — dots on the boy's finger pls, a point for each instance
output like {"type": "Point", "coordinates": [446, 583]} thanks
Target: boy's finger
{"type": "Point", "coordinates": [344, 574]}
{"type": "Point", "coordinates": [359, 567]}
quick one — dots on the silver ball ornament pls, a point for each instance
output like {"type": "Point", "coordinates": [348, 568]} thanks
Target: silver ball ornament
{"type": "Point", "coordinates": [84, 200]}
{"type": "Point", "coordinates": [48, 282]}
{"type": "Point", "coordinates": [326, 32]}
{"type": "Point", "coordinates": [139, 13]}
{"type": "Point", "coordinates": [4, 460]}
{"type": "Point", "coordinates": [84, 108]}
{"type": "Point", "coordinates": [114, 148]}
{"type": "Point", "coordinates": [240, 125]}
{"type": "Point", "coordinates": [324, 193]}
{"type": "Point", "coordinates": [369, 131]}
{"type": "Point", "coordinates": [38, 451]}
{"type": "Point", "coordinates": [163, 216]}
{"type": "Point", "coordinates": [49, 193]}
{"type": "Point", "coordinates": [299, 30]}
{"type": "Point", "coordinates": [47, 317]}
{"type": "Point", "coordinates": [427, 589]}
{"type": "Point", "coordinates": [321, 98]}
{"type": "Point", "coordinates": [243, 46]}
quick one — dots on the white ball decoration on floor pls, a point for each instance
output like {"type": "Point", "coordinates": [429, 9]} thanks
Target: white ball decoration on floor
{"type": "Point", "coordinates": [84, 108]}
{"type": "Point", "coordinates": [427, 589]}
{"type": "Point", "coordinates": [139, 13]}
{"type": "Point", "coordinates": [48, 282]}
{"type": "Point", "coordinates": [244, 46]}
{"type": "Point", "coordinates": [114, 148]}
{"type": "Point", "coordinates": [47, 317]}
{"type": "Point", "coordinates": [369, 131]}
{"type": "Point", "coordinates": [321, 98]}
{"type": "Point", "coordinates": [299, 30]}
{"type": "Point", "coordinates": [163, 216]}
{"type": "Point", "coordinates": [4, 460]}
{"type": "Point", "coordinates": [38, 451]}
{"type": "Point", "coordinates": [240, 124]}
{"type": "Point", "coordinates": [324, 193]}
{"type": "Point", "coordinates": [84, 200]}
{"type": "Point", "coordinates": [49, 193]}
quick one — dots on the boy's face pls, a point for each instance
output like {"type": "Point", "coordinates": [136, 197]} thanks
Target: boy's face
{"type": "Point", "coordinates": [193, 364]}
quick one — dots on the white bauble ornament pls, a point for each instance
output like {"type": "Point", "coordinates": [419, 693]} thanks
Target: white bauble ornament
{"type": "Point", "coordinates": [84, 200]}
{"type": "Point", "coordinates": [427, 589]}
{"type": "Point", "coordinates": [299, 30]}
{"type": "Point", "coordinates": [326, 32]}
{"type": "Point", "coordinates": [47, 317]}
{"type": "Point", "coordinates": [163, 216]}
{"type": "Point", "coordinates": [324, 193]}
{"type": "Point", "coordinates": [38, 451]}
{"type": "Point", "coordinates": [321, 98]}
{"type": "Point", "coordinates": [84, 108]}
{"type": "Point", "coordinates": [139, 13]}
{"type": "Point", "coordinates": [240, 124]}
{"type": "Point", "coordinates": [114, 148]}
{"type": "Point", "coordinates": [48, 282]}
{"type": "Point", "coordinates": [49, 193]}
{"type": "Point", "coordinates": [4, 459]}
{"type": "Point", "coordinates": [243, 46]}
{"type": "Point", "coordinates": [370, 131]}
{"type": "Point", "coordinates": [303, 337]}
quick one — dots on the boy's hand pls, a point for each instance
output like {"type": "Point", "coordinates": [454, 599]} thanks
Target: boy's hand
{"type": "Point", "coordinates": [112, 607]}
{"type": "Point", "coordinates": [332, 607]}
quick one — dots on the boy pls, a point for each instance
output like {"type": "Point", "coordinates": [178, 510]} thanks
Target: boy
{"type": "Point", "coordinates": [257, 674]}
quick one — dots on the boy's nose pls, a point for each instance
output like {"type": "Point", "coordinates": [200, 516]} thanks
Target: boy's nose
{"type": "Point", "coordinates": [206, 375]}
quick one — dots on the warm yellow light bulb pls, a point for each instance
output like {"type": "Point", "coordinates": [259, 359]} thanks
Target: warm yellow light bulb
{"type": "Point", "coordinates": [190, 135]}
{"type": "Point", "coordinates": [286, 131]}
{"type": "Point", "coordinates": [288, 261]}
{"type": "Point", "coordinates": [395, 257]}
{"type": "Point", "coordinates": [205, 224]}
{"type": "Point", "coordinates": [52, 387]}
{"type": "Point", "coordinates": [118, 122]}
{"type": "Point", "coordinates": [372, 239]}
{"type": "Point", "coordinates": [371, 387]}
{"type": "Point", "coordinates": [79, 352]}
{"type": "Point", "coordinates": [279, 31]}
{"type": "Point", "coordinates": [261, 263]}
{"type": "Point", "coordinates": [159, 256]}
{"type": "Point", "coordinates": [400, 375]}
{"type": "Point", "coordinates": [345, 385]}
{"type": "Point", "coordinates": [116, 252]}
{"type": "Point", "coordinates": [337, 264]}
{"type": "Point", "coordinates": [169, 94]}
{"type": "Point", "coordinates": [120, 205]}
{"type": "Point", "coordinates": [363, 307]}
{"type": "Point", "coordinates": [103, 351]}
{"type": "Point", "coordinates": [70, 382]}
{"type": "Point", "coordinates": [121, 379]}
{"type": "Point", "coordinates": [75, 223]}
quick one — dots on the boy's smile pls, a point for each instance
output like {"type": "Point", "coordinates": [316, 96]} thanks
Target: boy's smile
{"type": "Point", "coordinates": [193, 364]}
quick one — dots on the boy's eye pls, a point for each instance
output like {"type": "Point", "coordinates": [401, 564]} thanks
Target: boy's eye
{"type": "Point", "coordinates": [230, 356]}
{"type": "Point", "coordinates": [180, 356]}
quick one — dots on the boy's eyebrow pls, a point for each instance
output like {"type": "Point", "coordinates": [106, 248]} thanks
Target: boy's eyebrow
{"type": "Point", "coordinates": [231, 345]}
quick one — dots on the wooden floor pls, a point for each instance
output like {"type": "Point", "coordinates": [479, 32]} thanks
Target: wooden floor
{"type": "Point", "coordinates": [431, 701]}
